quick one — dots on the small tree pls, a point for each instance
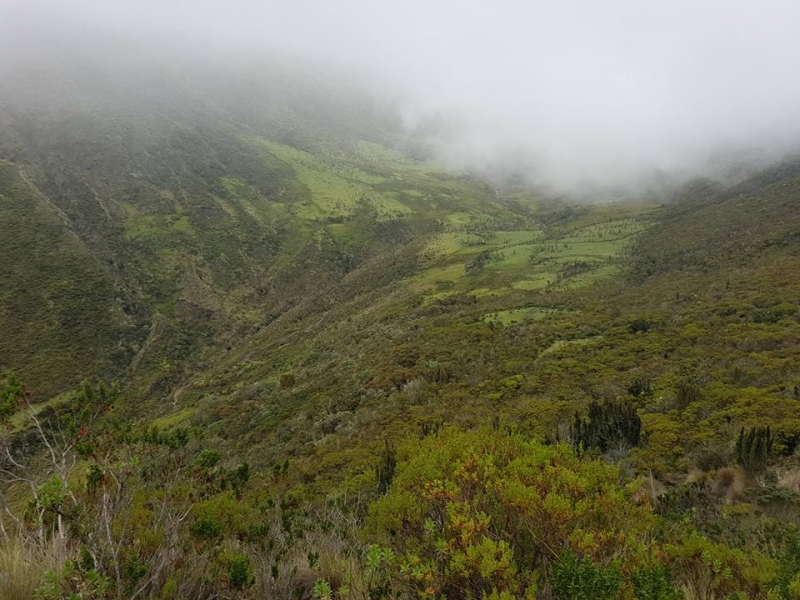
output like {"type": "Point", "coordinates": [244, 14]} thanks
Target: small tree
{"type": "Point", "coordinates": [610, 426]}
{"type": "Point", "coordinates": [640, 388]}
{"type": "Point", "coordinates": [384, 470]}
{"type": "Point", "coordinates": [753, 448]}
{"type": "Point", "coordinates": [686, 393]}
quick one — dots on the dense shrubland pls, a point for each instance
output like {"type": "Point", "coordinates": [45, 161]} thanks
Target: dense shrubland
{"type": "Point", "coordinates": [96, 509]}
{"type": "Point", "coordinates": [348, 373]}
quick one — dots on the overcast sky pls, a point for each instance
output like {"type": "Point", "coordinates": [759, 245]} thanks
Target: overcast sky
{"type": "Point", "coordinates": [584, 89]}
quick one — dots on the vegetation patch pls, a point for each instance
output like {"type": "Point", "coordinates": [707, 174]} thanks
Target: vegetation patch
{"type": "Point", "coordinates": [519, 315]}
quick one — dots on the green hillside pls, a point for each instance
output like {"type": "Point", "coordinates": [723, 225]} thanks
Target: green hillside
{"type": "Point", "coordinates": [61, 313]}
{"type": "Point", "coordinates": [347, 371]}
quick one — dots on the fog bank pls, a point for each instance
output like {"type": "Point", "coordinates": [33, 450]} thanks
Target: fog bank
{"type": "Point", "coordinates": [570, 93]}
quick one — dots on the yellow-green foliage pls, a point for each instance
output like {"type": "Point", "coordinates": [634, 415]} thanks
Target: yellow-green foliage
{"type": "Point", "coordinates": [485, 512]}
{"type": "Point", "coordinates": [712, 570]}
{"type": "Point", "coordinates": [337, 188]}
{"type": "Point", "coordinates": [220, 515]}
{"type": "Point", "coordinates": [169, 421]}
{"type": "Point", "coordinates": [141, 227]}
{"type": "Point", "coordinates": [527, 259]}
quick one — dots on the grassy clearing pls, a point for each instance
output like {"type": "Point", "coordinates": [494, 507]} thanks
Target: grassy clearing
{"type": "Point", "coordinates": [584, 279]}
{"type": "Point", "coordinates": [378, 155]}
{"type": "Point", "coordinates": [460, 219]}
{"type": "Point", "coordinates": [145, 227]}
{"type": "Point", "coordinates": [173, 420]}
{"type": "Point", "coordinates": [338, 188]}
{"type": "Point", "coordinates": [446, 244]}
{"type": "Point", "coordinates": [506, 260]}
{"type": "Point", "coordinates": [568, 344]}
{"type": "Point", "coordinates": [431, 278]}
{"type": "Point", "coordinates": [251, 202]}
{"type": "Point", "coordinates": [23, 418]}
{"type": "Point", "coordinates": [519, 315]}
{"type": "Point", "coordinates": [450, 243]}
{"type": "Point", "coordinates": [536, 281]}
{"type": "Point", "coordinates": [609, 231]}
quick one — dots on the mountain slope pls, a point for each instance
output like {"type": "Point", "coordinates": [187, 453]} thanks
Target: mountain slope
{"type": "Point", "coordinates": [61, 313]}
{"type": "Point", "coordinates": [277, 269]}
{"type": "Point", "coordinates": [210, 204]}
{"type": "Point", "coordinates": [341, 364]}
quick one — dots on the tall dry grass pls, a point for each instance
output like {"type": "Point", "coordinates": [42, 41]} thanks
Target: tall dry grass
{"type": "Point", "coordinates": [23, 564]}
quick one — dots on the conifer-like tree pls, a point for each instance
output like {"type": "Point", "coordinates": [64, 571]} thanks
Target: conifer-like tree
{"type": "Point", "coordinates": [610, 426]}
{"type": "Point", "coordinates": [753, 448]}
{"type": "Point", "coordinates": [384, 470]}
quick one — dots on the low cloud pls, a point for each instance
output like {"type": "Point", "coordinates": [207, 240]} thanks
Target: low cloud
{"type": "Point", "coordinates": [571, 93]}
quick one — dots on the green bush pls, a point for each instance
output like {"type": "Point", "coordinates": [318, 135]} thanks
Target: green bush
{"type": "Point", "coordinates": [654, 582]}
{"type": "Point", "coordinates": [573, 579]}
{"type": "Point", "coordinates": [240, 571]}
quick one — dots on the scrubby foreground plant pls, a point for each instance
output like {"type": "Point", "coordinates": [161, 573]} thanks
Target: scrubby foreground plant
{"type": "Point", "coordinates": [92, 510]}
{"type": "Point", "coordinates": [491, 514]}
{"type": "Point", "coordinates": [96, 510]}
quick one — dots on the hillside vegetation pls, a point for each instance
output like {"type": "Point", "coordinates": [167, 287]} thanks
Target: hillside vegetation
{"type": "Point", "coordinates": [347, 371]}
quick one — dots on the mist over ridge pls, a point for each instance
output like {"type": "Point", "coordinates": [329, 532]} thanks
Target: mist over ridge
{"type": "Point", "coordinates": [569, 94]}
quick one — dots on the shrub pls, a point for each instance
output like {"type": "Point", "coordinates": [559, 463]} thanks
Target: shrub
{"type": "Point", "coordinates": [639, 325]}
{"type": "Point", "coordinates": [239, 570]}
{"type": "Point", "coordinates": [707, 569]}
{"type": "Point", "coordinates": [208, 459]}
{"type": "Point", "coordinates": [207, 527]}
{"type": "Point", "coordinates": [480, 513]}
{"type": "Point", "coordinates": [640, 388]}
{"type": "Point", "coordinates": [610, 426]}
{"type": "Point", "coordinates": [286, 381]}
{"type": "Point", "coordinates": [686, 393]}
{"type": "Point", "coordinates": [384, 470]}
{"type": "Point", "coordinates": [753, 448]}
{"type": "Point", "coordinates": [787, 580]}
{"type": "Point", "coordinates": [573, 579]}
{"type": "Point", "coordinates": [654, 582]}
